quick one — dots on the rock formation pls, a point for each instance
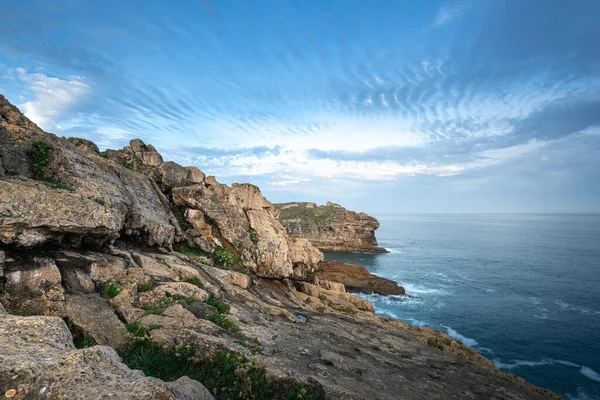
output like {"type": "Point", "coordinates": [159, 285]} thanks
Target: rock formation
{"type": "Point", "coordinates": [86, 259]}
{"type": "Point", "coordinates": [330, 227]}
{"type": "Point", "coordinates": [357, 278]}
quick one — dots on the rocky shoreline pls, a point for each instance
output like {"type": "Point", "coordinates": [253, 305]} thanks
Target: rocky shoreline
{"type": "Point", "coordinates": [116, 262]}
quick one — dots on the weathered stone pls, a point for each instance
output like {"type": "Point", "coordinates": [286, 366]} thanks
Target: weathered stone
{"type": "Point", "coordinates": [357, 278]}
{"type": "Point", "coordinates": [146, 153]}
{"type": "Point", "coordinates": [330, 227]}
{"type": "Point", "coordinates": [37, 358]}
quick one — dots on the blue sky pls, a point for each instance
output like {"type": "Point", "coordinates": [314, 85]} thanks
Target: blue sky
{"type": "Point", "coordinates": [382, 106]}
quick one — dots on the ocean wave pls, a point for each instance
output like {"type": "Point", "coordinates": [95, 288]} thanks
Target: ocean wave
{"type": "Point", "coordinates": [582, 310]}
{"type": "Point", "coordinates": [457, 336]}
{"type": "Point", "coordinates": [585, 371]}
{"type": "Point", "coordinates": [393, 250]}
{"type": "Point", "coordinates": [589, 373]}
{"type": "Point", "coordinates": [582, 394]}
{"type": "Point", "coordinates": [418, 289]}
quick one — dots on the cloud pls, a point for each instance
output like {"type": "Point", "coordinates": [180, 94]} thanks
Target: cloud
{"type": "Point", "coordinates": [445, 15]}
{"type": "Point", "coordinates": [53, 98]}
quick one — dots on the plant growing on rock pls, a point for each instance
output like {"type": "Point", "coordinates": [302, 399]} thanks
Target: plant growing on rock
{"type": "Point", "coordinates": [222, 307]}
{"type": "Point", "coordinates": [101, 201]}
{"type": "Point", "coordinates": [179, 214]}
{"type": "Point", "coordinates": [56, 185]}
{"type": "Point", "coordinates": [195, 281]}
{"type": "Point", "coordinates": [223, 322]}
{"type": "Point", "coordinates": [41, 158]}
{"type": "Point", "coordinates": [160, 307]}
{"type": "Point", "coordinates": [112, 289]}
{"type": "Point", "coordinates": [254, 236]}
{"type": "Point", "coordinates": [223, 257]}
{"type": "Point", "coordinates": [144, 287]}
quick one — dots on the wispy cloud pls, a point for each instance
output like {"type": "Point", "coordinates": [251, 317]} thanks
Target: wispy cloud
{"type": "Point", "coordinates": [445, 15]}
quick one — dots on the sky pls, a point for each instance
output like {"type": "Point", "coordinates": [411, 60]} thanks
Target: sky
{"type": "Point", "coordinates": [381, 106]}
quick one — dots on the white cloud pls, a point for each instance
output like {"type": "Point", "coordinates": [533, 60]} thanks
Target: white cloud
{"type": "Point", "coordinates": [445, 15]}
{"type": "Point", "coordinates": [53, 98]}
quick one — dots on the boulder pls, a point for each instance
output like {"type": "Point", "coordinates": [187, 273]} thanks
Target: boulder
{"type": "Point", "coordinates": [38, 360]}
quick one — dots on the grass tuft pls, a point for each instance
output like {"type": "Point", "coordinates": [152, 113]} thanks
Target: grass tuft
{"type": "Point", "coordinates": [223, 322]}
{"type": "Point", "coordinates": [195, 281]}
{"type": "Point", "coordinates": [222, 307]}
{"type": "Point", "coordinates": [101, 201]}
{"type": "Point", "coordinates": [56, 185]}
{"type": "Point", "coordinates": [144, 287]}
{"type": "Point", "coordinates": [112, 289]}
{"type": "Point", "coordinates": [254, 236]}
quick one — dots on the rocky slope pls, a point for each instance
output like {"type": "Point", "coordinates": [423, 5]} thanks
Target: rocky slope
{"type": "Point", "coordinates": [330, 227]}
{"type": "Point", "coordinates": [86, 259]}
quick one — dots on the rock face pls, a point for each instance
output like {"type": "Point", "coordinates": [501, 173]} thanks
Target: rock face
{"type": "Point", "coordinates": [38, 360]}
{"type": "Point", "coordinates": [357, 278]}
{"type": "Point", "coordinates": [330, 227]}
{"type": "Point", "coordinates": [85, 257]}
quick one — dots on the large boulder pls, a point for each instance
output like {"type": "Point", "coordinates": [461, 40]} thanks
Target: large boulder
{"type": "Point", "coordinates": [38, 360]}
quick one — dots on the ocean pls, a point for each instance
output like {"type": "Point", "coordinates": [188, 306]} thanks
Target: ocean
{"type": "Point", "coordinates": [522, 289]}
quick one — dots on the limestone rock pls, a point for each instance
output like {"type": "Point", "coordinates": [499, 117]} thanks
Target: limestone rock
{"type": "Point", "coordinates": [330, 227]}
{"type": "Point", "coordinates": [357, 278]}
{"type": "Point", "coordinates": [37, 359]}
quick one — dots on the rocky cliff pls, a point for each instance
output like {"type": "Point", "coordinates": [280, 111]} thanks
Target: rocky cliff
{"type": "Point", "coordinates": [91, 291]}
{"type": "Point", "coordinates": [330, 227]}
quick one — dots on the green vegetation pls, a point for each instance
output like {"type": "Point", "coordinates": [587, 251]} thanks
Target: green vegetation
{"type": "Point", "coordinates": [254, 236]}
{"type": "Point", "coordinates": [438, 342]}
{"type": "Point", "coordinates": [321, 215]}
{"type": "Point", "coordinates": [188, 299]}
{"type": "Point", "coordinates": [223, 257]}
{"type": "Point", "coordinates": [101, 201]}
{"type": "Point", "coordinates": [348, 310]}
{"type": "Point", "coordinates": [137, 334]}
{"type": "Point", "coordinates": [126, 164]}
{"type": "Point", "coordinates": [41, 158]}
{"type": "Point", "coordinates": [323, 298]}
{"type": "Point", "coordinates": [223, 322]}
{"type": "Point", "coordinates": [307, 300]}
{"type": "Point", "coordinates": [191, 251]}
{"type": "Point", "coordinates": [112, 289]}
{"type": "Point", "coordinates": [179, 213]}
{"type": "Point", "coordinates": [81, 340]}
{"type": "Point", "coordinates": [222, 307]}
{"type": "Point", "coordinates": [103, 154]}
{"type": "Point", "coordinates": [299, 392]}
{"type": "Point", "coordinates": [2, 286]}
{"type": "Point", "coordinates": [160, 307]}
{"type": "Point", "coordinates": [144, 287]}
{"type": "Point", "coordinates": [74, 141]}
{"type": "Point", "coordinates": [195, 281]}
{"type": "Point", "coordinates": [56, 185]}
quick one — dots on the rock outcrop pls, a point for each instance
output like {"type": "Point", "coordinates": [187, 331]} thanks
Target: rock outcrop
{"type": "Point", "coordinates": [330, 227]}
{"type": "Point", "coordinates": [38, 361]}
{"type": "Point", "coordinates": [357, 278]}
{"type": "Point", "coordinates": [86, 259]}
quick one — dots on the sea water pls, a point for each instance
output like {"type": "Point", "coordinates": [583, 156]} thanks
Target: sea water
{"type": "Point", "coordinates": [523, 290]}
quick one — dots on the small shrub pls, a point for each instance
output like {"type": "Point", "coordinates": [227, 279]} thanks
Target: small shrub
{"type": "Point", "coordinates": [190, 251]}
{"type": "Point", "coordinates": [103, 154]}
{"type": "Point", "coordinates": [179, 214]}
{"type": "Point", "coordinates": [195, 281]}
{"type": "Point", "coordinates": [41, 158]}
{"type": "Point", "coordinates": [223, 322]}
{"type": "Point", "coordinates": [189, 299]}
{"type": "Point", "coordinates": [137, 334]}
{"type": "Point", "coordinates": [144, 287]}
{"type": "Point", "coordinates": [254, 236]}
{"type": "Point", "coordinates": [160, 307]}
{"type": "Point", "coordinates": [222, 257]}
{"type": "Point", "coordinates": [348, 310]}
{"type": "Point", "coordinates": [323, 298]}
{"type": "Point", "coordinates": [299, 392]}
{"type": "Point", "coordinates": [222, 307]}
{"type": "Point", "coordinates": [56, 185]}
{"type": "Point", "coordinates": [436, 342]}
{"type": "Point", "coordinates": [307, 300]}
{"type": "Point", "coordinates": [126, 164]}
{"type": "Point", "coordinates": [112, 289]}
{"type": "Point", "coordinates": [101, 201]}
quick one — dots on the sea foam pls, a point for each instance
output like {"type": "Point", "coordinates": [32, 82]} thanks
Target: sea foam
{"type": "Point", "coordinates": [457, 336]}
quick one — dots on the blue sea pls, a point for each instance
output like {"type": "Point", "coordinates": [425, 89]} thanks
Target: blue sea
{"type": "Point", "coordinates": [523, 289]}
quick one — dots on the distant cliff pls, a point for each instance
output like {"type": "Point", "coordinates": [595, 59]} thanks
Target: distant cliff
{"type": "Point", "coordinates": [330, 227]}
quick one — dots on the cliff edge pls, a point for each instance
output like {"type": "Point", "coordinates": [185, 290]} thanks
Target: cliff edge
{"type": "Point", "coordinates": [125, 276]}
{"type": "Point", "coordinates": [330, 227]}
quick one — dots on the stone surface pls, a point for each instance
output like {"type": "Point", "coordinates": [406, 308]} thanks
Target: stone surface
{"type": "Point", "coordinates": [330, 227]}
{"type": "Point", "coordinates": [38, 360]}
{"type": "Point", "coordinates": [357, 278]}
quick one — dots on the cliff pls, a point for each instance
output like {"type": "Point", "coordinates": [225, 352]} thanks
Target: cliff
{"type": "Point", "coordinates": [330, 227]}
{"type": "Point", "coordinates": [91, 291]}
{"type": "Point", "coordinates": [357, 278]}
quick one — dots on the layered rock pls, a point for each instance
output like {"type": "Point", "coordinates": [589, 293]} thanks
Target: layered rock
{"type": "Point", "coordinates": [38, 360]}
{"type": "Point", "coordinates": [357, 278]}
{"type": "Point", "coordinates": [330, 227]}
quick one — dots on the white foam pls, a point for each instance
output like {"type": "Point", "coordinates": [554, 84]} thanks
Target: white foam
{"type": "Point", "coordinates": [394, 251]}
{"type": "Point", "coordinates": [582, 310]}
{"type": "Point", "coordinates": [590, 373]}
{"type": "Point", "coordinates": [457, 336]}
{"type": "Point", "coordinates": [417, 289]}
{"type": "Point", "coordinates": [522, 363]}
